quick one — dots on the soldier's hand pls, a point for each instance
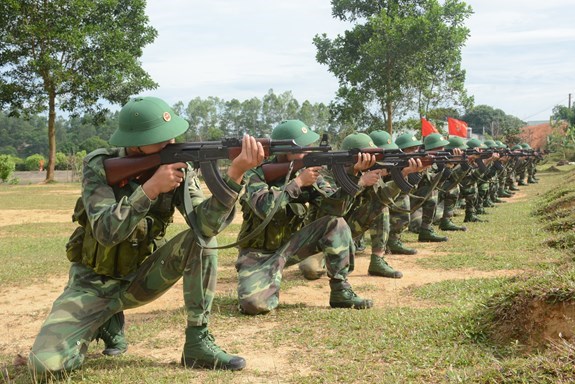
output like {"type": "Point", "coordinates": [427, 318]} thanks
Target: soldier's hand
{"type": "Point", "coordinates": [308, 176]}
{"type": "Point", "coordinates": [457, 152]}
{"type": "Point", "coordinates": [414, 165]}
{"type": "Point", "coordinates": [364, 161]}
{"type": "Point", "coordinates": [369, 178]}
{"type": "Point", "coordinates": [166, 178]}
{"type": "Point", "coordinates": [251, 156]}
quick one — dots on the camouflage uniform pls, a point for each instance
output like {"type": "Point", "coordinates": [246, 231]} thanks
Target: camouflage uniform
{"type": "Point", "coordinates": [120, 260]}
{"type": "Point", "coordinates": [286, 241]}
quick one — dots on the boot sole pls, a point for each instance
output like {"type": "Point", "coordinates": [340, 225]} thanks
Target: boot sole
{"type": "Point", "coordinates": [192, 363]}
{"type": "Point", "coordinates": [402, 252]}
{"type": "Point", "coordinates": [396, 275]}
{"type": "Point", "coordinates": [365, 305]}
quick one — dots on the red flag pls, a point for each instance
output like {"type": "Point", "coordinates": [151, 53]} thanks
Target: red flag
{"type": "Point", "coordinates": [457, 127]}
{"type": "Point", "coordinates": [427, 128]}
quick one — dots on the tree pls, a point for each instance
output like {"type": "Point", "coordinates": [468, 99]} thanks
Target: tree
{"type": "Point", "coordinates": [485, 119]}
{"type": "Point", "coordinates": [69, 54]}
{"type": "Point", "coordinates": [404, 52]}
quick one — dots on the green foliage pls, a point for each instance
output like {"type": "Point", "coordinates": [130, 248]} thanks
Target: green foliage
{"type": "Point", "coordinates": [93, 143]}
{"type": "Point", "coordinates": [397, 58]}
{"type": "Point", "coordinates": [69, 55]}
{"type": "Point", "coordinates": [493, 121]}
{"type": "Point", "coordinates": [33, 162]}
{"type": "Point", "coordinates": [61, 161]}
{"type": "Point", "coordinates": [7, 167]}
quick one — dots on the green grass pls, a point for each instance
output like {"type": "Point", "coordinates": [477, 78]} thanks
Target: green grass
{"type": "Point", "coordinates": [448, 341]}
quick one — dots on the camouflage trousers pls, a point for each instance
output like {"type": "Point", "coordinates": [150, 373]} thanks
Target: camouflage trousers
{"type": "Point", "coordinates": [379, 233]}
{"type": "Point", "coordinates": [428, 207]}
{"type": "Point", "coordinates": [89, 300]}
{"type": "Point", "coordinates": [260, 273]}
{"type": "Point", "coordinates": [449, 199]}
{"type": "Point", "coordinates": [399, 220]}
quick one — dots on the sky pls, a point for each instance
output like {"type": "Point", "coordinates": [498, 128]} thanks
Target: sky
{"type": "Point", "coordinates": [520, 56]}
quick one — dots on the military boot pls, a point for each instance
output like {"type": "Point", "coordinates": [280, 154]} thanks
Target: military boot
{"type": "Point", "coordinates": [521, 182]}
{"type": "Point", "coordinates": [112, 332]}
{"type": "Point", "coordinates": [346, 298]}
{"type": "Point", "coordinates": [447, 225]}
{"type": "Point", "coordinates": [313, 267]}
{"type": "Point", "coordinates": [379, 267]}
{"type": "Point", "coordinates": [471, 218]}
{"type": "Point", "coordinates": [427, 235]}
{"type": "Point", "coordinates": [480, 211]}
{"type": "Point", "coordinates": [201, 351]}
{"type": "Point", "coordinates": [531, 180]}
{"type": "Point", "coordinates": [487, 203]}
{"type": "Point", "coordinates": [513, 188]}
{"type": "Point", "coordinates": [396, 247]}
{"type": "Point", "coordinates": [497, 200]}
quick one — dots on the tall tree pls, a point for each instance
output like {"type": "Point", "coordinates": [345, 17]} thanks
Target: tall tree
{"type": "Point", "coordinates": [69, 54]}
{"type": "Point", "coordinates": [398, 53]}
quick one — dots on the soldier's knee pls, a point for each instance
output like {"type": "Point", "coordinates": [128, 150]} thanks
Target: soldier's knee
{"type": "Point", "coordinates": [51, 364]}
{"type": "Point", "coordinates": [253, 306]}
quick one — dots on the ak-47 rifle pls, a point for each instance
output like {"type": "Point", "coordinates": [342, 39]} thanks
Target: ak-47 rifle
{"type": "Point", "coordinates": [340, 161]}
{"type": "Point", "coordinates": [204, 155]}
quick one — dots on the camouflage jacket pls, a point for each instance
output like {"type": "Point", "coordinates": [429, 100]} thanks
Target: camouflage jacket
{"type": "Point", "coordinates": [295, 204]}
{"type": "Point", "coordinates": [121, 226]}
{"type": "Point", "coordinates": [370, 204]}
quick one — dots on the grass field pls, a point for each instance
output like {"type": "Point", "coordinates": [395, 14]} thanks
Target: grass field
{"type": "Point", "coordinates": [483, 321]}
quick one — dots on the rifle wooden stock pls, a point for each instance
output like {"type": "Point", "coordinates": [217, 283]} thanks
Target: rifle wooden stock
{"type": "Point", "coordinates": [203, 154]}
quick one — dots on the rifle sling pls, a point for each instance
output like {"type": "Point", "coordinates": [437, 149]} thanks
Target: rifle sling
{"type": "Point", "coordinates": [190, 217]}
{"type": "Point", "coordinates": [421, 199]}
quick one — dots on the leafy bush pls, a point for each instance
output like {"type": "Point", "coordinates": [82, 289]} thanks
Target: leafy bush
{"type": "Point", "coordinates": [7, 167]}
{"type": "Point", "coordinates": [62, 161]}
{"type": "Point", "coordinates": [33, 162]}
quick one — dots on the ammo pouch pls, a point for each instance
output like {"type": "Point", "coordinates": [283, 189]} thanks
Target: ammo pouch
{"type": "Point", "coordinates": [74, 245]}
{"type": "Point", "coordinates": [121, 259]}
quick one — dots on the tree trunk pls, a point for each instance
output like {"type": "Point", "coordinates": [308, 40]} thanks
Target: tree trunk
{"type": "Point", "coordinates": [389, 111]}
{"type": "Point", "coordinates": [51, 138]}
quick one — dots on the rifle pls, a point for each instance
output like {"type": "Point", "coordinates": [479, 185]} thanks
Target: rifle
{"type": "Point", "coordinates": [338, 161]}
{"type": "Point", "coordinates": [204, 155]}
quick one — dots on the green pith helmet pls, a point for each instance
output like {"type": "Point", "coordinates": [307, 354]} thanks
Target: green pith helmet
{"type": "Point", "coordinates": [383, 140]}
{"type": "Point", "coordinates": [295, 130]}
{"type": "Point", "coordinates": [525, 146]}
{"type": "Point", "coordinates": [490, 144]}
{"type": "Point", "coordinates": [475, 143]}
{"type": "Point", "coordinates": [456, 142]}
{"type": "Point", "coordinates": [407, 140]}
{"type": "Point", "coordinates": [357, 141]}
{"type": "Point", "coordinates": [433, 141]}
{"type": "Point", "coordinates": [500, 144]}
{"type": "Point", "coordinates": [147, 120]}
{"type": "Point", "coordinates": [517, 147]}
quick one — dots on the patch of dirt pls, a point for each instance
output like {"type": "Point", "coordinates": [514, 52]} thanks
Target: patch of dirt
{"type": "Point", "coordinates": [538, 325]}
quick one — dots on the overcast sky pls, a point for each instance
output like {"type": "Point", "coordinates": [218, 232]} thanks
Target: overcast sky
{"type": "Point", "coordinates": [520, 56]}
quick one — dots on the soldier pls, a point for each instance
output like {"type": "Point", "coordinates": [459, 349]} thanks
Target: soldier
{"type": "Point", "coordinates": [425, 193]}
{"type": "Point", "coordinates": [449, 190]}
{"type": "Point", "coordinates": [399, 212]}
{"type": "Point", "coordinates": [120, 258]}
{"type": "Point", "coordinates": [370, 207]}
{"type": "Point", "coordinates": [285, 240]}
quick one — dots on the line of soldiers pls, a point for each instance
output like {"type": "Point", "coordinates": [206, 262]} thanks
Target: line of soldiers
{"type": "Point", "coordinates": [481, 182]}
